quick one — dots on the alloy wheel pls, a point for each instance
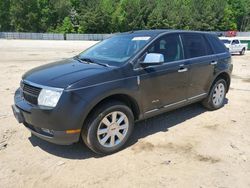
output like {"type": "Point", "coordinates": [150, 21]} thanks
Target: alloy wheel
{"type": "Point", "coordinates": [219, 94]}
{"type": "Point", "coordinates": [112, 129]}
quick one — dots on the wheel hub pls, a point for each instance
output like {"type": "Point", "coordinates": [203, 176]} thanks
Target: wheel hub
{"type": "Point", "coordinates": [112, 129]}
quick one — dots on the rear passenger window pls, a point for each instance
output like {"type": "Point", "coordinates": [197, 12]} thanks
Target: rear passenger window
{"type": "Point", "coordinates": [217, 45]}
{"type": "Point", "coordinates": [195, 45]}
{"type": "Point", "coordinates": [169, 46]}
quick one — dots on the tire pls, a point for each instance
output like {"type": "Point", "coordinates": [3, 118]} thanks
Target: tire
{"type": "Point", "coordinates": [111, 137]}
{"type": "Point", "coordinates": [216, 96]}
{"type": "Point", "coordinates": [242, 52]}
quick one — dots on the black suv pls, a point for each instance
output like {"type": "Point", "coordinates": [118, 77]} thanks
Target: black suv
{"type": "Point", "coordinates": [99, 94]}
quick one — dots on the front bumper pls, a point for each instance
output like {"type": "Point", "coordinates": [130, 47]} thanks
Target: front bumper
{"type": "Point", "coordinates": [43, 122]}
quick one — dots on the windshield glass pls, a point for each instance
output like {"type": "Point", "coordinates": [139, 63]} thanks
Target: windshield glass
{"type": "Point", "coordinates": [116, 50]}
{"type": "Point", "coordinates": [226, 41]}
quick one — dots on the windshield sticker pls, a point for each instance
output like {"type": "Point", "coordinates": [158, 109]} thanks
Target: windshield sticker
{"type": "Point", "coordinates": [141, 38]}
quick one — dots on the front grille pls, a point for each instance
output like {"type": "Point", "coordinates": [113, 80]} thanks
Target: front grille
{"type": "Point", "coordinates": [30, 93]}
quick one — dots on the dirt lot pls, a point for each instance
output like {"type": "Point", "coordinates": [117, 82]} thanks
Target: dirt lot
{"type": "Point", "coordinates": [190, 147]}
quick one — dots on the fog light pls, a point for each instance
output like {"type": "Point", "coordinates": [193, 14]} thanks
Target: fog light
{"type": "Point", "coordinates": [47, 131]}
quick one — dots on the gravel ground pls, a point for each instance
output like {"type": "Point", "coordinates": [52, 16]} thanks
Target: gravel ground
{"type": "Point", "coordinates": [189, 147]}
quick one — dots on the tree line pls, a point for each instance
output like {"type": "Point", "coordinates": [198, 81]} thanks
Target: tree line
{"type": "Point", "coordinates": [110, 16]}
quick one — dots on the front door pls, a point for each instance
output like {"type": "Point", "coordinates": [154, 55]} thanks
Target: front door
{"type": "Point", "coordinates": [235, 46]}
{"type": "Point", "coordinates": [165, 84]}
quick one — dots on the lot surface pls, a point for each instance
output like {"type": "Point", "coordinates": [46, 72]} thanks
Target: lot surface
{"type": "Point", "coordinates": [189, 147]}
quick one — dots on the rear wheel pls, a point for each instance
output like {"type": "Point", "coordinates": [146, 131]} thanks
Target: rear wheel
{"type": "Point", "coordinates": [108, 128]}
{"type": "Point", "coordinates": [216, 97]}
{"type": "Point", "coordinates": [243, 51]}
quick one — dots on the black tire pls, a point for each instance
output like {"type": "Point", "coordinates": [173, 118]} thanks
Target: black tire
{"type": "Point", "coordinates": [89, 131]}
{"type": "Point", "coordinates": [208, 102]}
{"type": "Point", "coordinates": [243, 51]}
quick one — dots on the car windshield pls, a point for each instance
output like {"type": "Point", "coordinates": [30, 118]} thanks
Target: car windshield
{"type": "Point", "coordinates": [226, 41]}
{"type": "Point", "coordinates": [117, 50]}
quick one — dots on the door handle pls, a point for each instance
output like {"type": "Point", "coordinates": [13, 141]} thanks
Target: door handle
{"type": "Point", "coordinates": [183, 69]}
{"type": "Point", "coordinates": [213, 63]}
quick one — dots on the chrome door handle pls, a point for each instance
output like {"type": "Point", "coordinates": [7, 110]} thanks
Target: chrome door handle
{"type": "Point", "coordinates": [214, 63]}
{"type": "Point", "coordinates": [182, 69]}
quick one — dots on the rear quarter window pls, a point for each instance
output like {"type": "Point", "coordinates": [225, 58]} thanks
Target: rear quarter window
{"type": "Point", "coordinates": [216, 44]}
{"type": "Point", "coordinates": [195, 45]}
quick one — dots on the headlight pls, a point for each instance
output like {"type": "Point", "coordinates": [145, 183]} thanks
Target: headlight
{"type": "Point", "coordinates": [49, 97]}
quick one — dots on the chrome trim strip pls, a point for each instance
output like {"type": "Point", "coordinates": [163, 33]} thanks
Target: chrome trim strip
{"type": "Point", "coordinates": [183, 70]}
{"type": "Point", "coordinates": [150, 111]}
{"type": "Point", "coordinates": [29, 93]}
{"type": "Point", "coordinates": [138, 80]}
{"type": "Point", "coordinates": [42, 86]}
{"type": "Point", "coordinates": [197, 96]}
{"type": "Point", "coordinates": [166, 106]}
{"type": "Point", "coordinates": [184, 60]}
{"type": "Point", "coordinates": [176, 103]}
{"type": "Point", "coordinates": [169, 105]}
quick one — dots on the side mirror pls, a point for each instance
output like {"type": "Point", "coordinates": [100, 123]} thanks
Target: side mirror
{"type": "Point", "coordinates": [152, 59]}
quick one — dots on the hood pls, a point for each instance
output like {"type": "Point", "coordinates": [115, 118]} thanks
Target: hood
{"type": "Point", "coordinates": [227, 45]}
{"type": "Point", "coordinates": [61, 74]}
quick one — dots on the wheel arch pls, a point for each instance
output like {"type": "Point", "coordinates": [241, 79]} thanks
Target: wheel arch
{"type": "Point", "coordinates": [124, 98]}
{"type": "Point", "coordinates": [225, 76]}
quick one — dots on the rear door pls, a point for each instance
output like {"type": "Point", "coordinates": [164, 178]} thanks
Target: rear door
{"type": "Point", "coordinates": [201, 61]}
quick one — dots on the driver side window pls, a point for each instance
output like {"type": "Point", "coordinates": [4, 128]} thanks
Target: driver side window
{"type": "Point", "coordinates": [169, 46]}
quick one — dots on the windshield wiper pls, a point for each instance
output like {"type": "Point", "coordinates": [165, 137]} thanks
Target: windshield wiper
{"type": "Point", "coordinates": [84, 60]}
{"type": "Point", "coordinates": [90, 61]}
{"type": "Point", "coordinates": [78, 59]}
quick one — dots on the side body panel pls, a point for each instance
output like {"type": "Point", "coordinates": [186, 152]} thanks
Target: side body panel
{"type": "Point", "coordinates": [162, 85]}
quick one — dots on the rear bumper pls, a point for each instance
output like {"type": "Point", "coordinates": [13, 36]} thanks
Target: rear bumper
{"type": "Point", "coordinates": [44, 124]}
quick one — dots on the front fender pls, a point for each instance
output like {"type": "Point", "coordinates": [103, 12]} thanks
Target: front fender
{"type": "Point", "coordinates": [93, 95]}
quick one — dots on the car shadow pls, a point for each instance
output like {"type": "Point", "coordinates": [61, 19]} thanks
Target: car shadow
{"type": "Point", "coordinates": [236, 54]}
{"type": "Point", "coordinates": [160, 123]}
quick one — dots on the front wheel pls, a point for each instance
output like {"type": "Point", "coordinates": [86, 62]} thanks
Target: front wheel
{"type": "Point", "coordinates": [108, 128]}
{"type": "Point", "coordinates": [216, 96]}
{"type": "Point", "coordinates": [242, 51]}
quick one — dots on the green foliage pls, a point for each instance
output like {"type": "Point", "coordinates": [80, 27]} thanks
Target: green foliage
{"type": "Point", "coordinates": [66, 27]}
{"type": "Point", "coordinates": [105, 16]}
{"type": "Point", "coordinates": [24, 15]}
{"type": "Point", "coordinates": [5, 15]}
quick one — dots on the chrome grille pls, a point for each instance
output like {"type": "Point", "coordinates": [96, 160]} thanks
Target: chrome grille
{"type": "Point", "coordinates": [30, 93]}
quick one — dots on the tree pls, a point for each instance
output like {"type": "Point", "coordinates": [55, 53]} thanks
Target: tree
{"type": "Point", "coordinates": [227, 22]}
{"type": "Point", "coordinates": [5, 15]}
{"type": "Point", "coordinates": [24, 15]}
{"type": "Point", "coordinates": [104, 16]}
{"type": "Point", "coordinates": [66, 27]}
